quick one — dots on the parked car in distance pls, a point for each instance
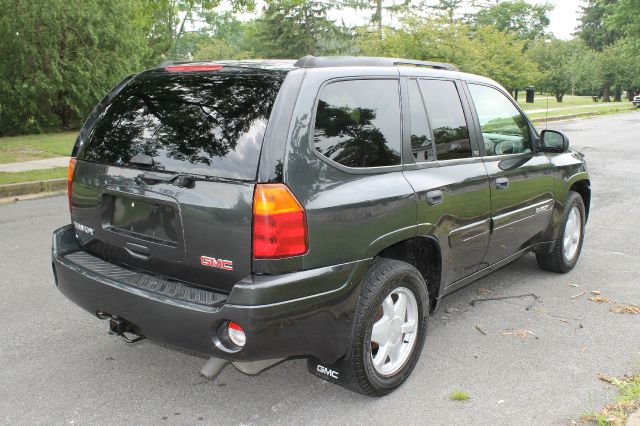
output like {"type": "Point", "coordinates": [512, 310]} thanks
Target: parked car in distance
{"type": "Point", "coordinates": [636, 101]}
{"type": "Point", "coordinates": [254, 211]}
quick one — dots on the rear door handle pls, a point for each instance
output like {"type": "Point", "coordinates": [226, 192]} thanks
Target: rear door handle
{"type": "Point", "coordinates": [434, 197]}
{"type": "Point", "coordinates": [502, 183]}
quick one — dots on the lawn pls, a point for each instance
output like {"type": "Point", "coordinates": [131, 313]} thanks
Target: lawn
{"type": "Point", "coordinates": [33, 175]}
{"type": "Point", "coordinates": [540, 101]}
{"type": "Point", "coordinates": [34, 147]}
{"type": "Point", "coordinates": [611, 108]}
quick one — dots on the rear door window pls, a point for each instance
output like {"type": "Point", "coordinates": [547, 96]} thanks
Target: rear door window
{"type": "Point", "coordinates": [194, 123]}
{"type": "Point", "coordinates": [421, 140]}
{"type": "Point", "coordinates": [447, 119]}
{"type": "Point", "coordinates": [358, 123]}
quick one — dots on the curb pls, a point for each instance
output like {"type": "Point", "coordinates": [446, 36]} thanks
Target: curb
{"type": "Point", "coordinates": [578, 115]}
{"type": "Point", "coordinates": [634, 419]}
{"type": "Point", "coordinates": [25, 188]}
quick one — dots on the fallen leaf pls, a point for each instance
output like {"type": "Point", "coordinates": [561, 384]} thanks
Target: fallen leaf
{"type": "Point", "coordinates": [573, 285]}
{"type": "Point", "coordinates": [595, 292]}
{"type": "Point", "coordinates": [484, 291]}
{"type": "Point", "coordinates": [599, 299]}
{"type": "Point", "coordinates": [518, 332]}
{"type": "Point", "coordinates": [604, 377]}
{"type": "Point", "coordinates": [577, 295]}
{"type": "Point", "coordinates": [625, 309]}
{"type": "Point", "coordinates": [481, 330]}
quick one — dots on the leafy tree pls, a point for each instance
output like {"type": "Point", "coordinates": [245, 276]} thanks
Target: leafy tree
{"type": "Point", "coordinates": [554, 57]}
{"type": "Point", "coordinates": [295, 28]}
{"type": "Point", "coordinates": [526, 21]}
{"type": "Point", "coordinates": [486, 51]}
{"type": "Point", "coordinates": [592, 28]}
{"type": "Point", "coordinates": [61, 56]}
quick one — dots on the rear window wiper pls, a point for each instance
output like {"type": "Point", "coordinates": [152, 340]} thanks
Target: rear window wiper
{"type": "Point", "coordinates": [182, 180]}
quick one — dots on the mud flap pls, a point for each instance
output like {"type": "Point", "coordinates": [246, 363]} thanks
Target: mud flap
{"type": "Point", "coordinates": [339, 373]}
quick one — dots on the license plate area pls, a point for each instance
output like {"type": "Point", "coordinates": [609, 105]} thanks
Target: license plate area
{"type": "Point", "coordinates": [143, 219]}
{"type": "Point", "coordinates": [150, 223]}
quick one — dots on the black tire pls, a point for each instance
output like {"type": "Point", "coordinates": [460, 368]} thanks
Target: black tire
{"type": "Point", "coordinates": [556, 261]}
{"type": "Point", "coordinates": [384, 276]}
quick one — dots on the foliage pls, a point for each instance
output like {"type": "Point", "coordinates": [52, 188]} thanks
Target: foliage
{"type": "Point", "coordinates": [526, 21]}
{"type": "Point", "coordinates": [556, 59]}
{"type": "Point", "coordinates": [592, 28]}
{"type": "Point", "coordinates": [486, 51]}
{"type": "Point", "coordinates": [61, 56]}
{"type": "Point", "coordinates": [295, 28]}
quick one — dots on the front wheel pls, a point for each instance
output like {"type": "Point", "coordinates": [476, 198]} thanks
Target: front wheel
{"type": "Point", "coordinates": [568, 246]}
{"type": "Point", "coordinates": [390, 327]}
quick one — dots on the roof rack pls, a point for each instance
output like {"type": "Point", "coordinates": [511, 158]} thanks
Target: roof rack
{"type": "Point", "coordinates": [366, 61]}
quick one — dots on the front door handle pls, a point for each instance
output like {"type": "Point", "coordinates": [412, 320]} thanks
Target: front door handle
{"type": "Point", "coordinates": [502, 183]}
{"type": "Point", "coordinates": [434, 197]}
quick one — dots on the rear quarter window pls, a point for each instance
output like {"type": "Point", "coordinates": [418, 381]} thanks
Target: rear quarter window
{"type": "Point", "coordinates": [358, 123]}
{"type": "Point", "coordinates": [196, 123]}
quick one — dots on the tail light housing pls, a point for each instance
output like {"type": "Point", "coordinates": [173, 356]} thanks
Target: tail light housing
{"type": "Point", "coordinates": [72, 166]}
{"type": "Point", "coordinates": [279, 223]}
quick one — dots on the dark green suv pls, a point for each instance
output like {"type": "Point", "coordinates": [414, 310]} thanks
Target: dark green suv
{"type": "Point", "coordinates": [254, 211]}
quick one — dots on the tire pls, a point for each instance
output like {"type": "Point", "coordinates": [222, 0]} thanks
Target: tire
{"type": "Point", "coordinates": [559, 260]}
{"type": "Point", "coordinates": [387, 278]}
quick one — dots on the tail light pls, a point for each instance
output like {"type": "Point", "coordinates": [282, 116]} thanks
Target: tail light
{"type": "Point", "coordinates": [279, 223]}
{"type": "Point", "coordinates": [193, 67]}
{"type": "Point", "coordinates": [72, 166]}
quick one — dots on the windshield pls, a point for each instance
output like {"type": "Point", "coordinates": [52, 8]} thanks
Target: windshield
{"type": "Point", "coordinates": [191, 123]}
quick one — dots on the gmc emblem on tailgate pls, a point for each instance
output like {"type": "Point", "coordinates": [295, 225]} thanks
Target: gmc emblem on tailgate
{"type": "Point", "coordinates": [212, 262]}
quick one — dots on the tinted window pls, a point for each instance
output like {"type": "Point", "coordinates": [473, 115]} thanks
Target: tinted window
{"type": "Point", "coordinates": [421, 143]}
{"type": "Point", "coordinates": [358, 123]}
{"type": "Point", "coordinates": [504, 129]}
{"type": "Point", "coordinates": [196, 123]}
{"type": "Point", "coordinates": [447, 119]}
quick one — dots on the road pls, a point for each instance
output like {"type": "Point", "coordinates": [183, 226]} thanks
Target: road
{"type": "Point", "coordinates": [58, 365]}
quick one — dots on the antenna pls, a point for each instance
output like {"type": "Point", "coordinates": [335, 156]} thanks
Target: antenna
{"type": "Point", "coordinates": [546, 117]}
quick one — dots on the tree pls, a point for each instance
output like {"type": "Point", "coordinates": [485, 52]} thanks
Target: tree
{"type": "Point", "coordinates": [295, 28]}
{"type": "Point", "coordinates": [62, 56]}
{"type": "Point", "coordinates": [554, 57]}
{"type": "Point", "coordinates": [592, 28]}
{"type": "Point", "coordinates": [485, 51]}
{"type": "Point", "coordinates": [526, 21]}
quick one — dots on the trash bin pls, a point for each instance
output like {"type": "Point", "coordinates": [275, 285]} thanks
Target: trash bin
{"type": "Point", "coordinates": [530, 94]}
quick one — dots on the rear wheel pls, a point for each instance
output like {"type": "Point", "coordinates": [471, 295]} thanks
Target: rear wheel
{"type": "Point", "coordinates": [568, 246]}
{"type": "Point", "coordinates": [390, 327]}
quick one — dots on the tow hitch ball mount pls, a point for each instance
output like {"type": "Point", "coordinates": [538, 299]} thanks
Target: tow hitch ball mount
{"type": "Point", "coordinates": [121, 327]}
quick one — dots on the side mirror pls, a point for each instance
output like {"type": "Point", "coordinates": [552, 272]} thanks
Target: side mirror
{"type": "Point", "coordinates": [553, 141]}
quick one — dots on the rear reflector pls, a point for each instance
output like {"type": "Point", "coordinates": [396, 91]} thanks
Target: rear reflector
{"type": "Point", "coordinates": [236, 334]}
{"type": "Point", "coordinates": [193, 68]}
{"type": "Point", "coordinates": [72, 165]}
{"type": "Point", "coordinates": [279, 223]}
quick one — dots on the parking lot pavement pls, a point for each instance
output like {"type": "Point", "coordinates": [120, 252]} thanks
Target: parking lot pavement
{"type": "Point", "coordinates": [537, 363]}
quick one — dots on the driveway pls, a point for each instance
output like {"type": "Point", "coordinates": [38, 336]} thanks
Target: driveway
{"type": "Point", "coordinates": [535, 362]}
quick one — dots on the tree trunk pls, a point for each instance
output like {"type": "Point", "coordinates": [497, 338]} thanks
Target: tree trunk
{"type": "Point", "coordinates": [606, 93]}
{"type": "Point", "coordinates": [630, 94]}
{"type": "Point", "coordinates": [559, 96]}
{"type": "Point", "coordinates": [379, 14]}
{"type": "Point", "coordinates": [618, 95]}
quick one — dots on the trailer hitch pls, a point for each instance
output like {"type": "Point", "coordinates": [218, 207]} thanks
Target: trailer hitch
{"type": "Point", "coordinates": [121, 327]}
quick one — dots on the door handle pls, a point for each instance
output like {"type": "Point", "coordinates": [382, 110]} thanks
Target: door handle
{"type": "Point", "coordinates": [502, 183]}
{"type": "Point", "coordinates": [434, 197]}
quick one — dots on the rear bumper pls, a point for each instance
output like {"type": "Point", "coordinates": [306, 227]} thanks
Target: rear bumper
{"type": "Point", "coordinates": [308, 313]}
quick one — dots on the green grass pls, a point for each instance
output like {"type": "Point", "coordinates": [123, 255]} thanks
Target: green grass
{"type": "Point", "coordinates": [540, 101]}
{"type": "Point", "coordinates": [626, 402]}
{"type": "Point", "coordinates": [33, 175]}
{"type": "Point", "coordinates": [34, 147]}
{"type": "Point", "coordinates": [613, 108]}
{"type": "Point", "coordinates": [458, 395]}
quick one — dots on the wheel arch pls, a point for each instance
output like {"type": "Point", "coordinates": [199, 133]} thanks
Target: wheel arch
{"type": "Point", "coordinates": [424, 254]}
{"type": "Point", "coordinates": [583, 187]}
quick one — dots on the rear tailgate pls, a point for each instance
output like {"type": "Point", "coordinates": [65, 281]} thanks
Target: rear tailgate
{"type": "Point", "coordinates": [207, 127]}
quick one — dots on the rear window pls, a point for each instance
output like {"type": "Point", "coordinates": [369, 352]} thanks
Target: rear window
{"type": "Point", "coordinates": [194, 123]}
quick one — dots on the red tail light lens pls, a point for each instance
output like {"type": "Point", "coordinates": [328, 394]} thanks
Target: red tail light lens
{"type": "Point", "coordinates": [193, 68]}
{"type": "Point", "coordinates": [279, 223]}
{"type": "Point", "coordinates": [72, 166]}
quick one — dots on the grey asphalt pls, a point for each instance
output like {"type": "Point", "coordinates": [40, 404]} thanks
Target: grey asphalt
{"type": "Point", "coordinates": [58, 365]}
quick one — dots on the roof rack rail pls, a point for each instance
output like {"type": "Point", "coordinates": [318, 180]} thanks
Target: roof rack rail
{"type": "Point", "coordinates": [367, 61]}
